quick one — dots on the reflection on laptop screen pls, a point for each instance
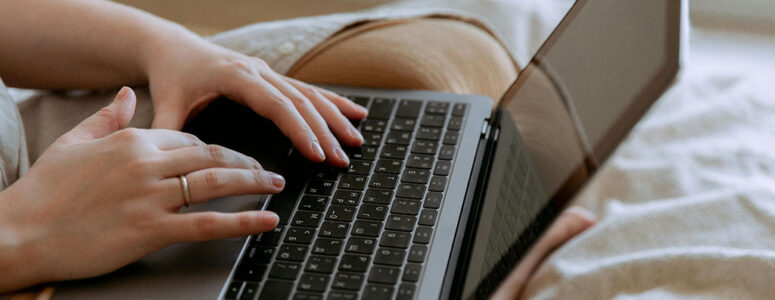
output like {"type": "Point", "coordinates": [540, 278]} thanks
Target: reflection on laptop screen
{"type": "Point", "coordinates": [572, 105]}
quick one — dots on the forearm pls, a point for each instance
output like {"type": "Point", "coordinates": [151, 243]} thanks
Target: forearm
{"type": "Point", "coordinates": [79, 43]}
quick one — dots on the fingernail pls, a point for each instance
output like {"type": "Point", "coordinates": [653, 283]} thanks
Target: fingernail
{"type": "Point", "coordinates": [270, 219]}
{"type": "Point", "coordinates": [277, 180]}
{"type": "Point", "coordinates": [319, 150]}
{"type": "Point", "coordinates": [123, 94]}
{"type": "Point", "coordinates": [341, 155]}
{"type": "Point", "coordinates": [357, 134]}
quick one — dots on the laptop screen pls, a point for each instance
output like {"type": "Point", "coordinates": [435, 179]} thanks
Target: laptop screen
{"type": "Point", "coordinates": [592, 80]}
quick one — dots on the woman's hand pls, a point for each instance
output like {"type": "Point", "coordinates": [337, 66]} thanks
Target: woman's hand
{"type": "Point", "coordinates": [186, 72]}
{"type": "Point", "coordinates": [102, 196]}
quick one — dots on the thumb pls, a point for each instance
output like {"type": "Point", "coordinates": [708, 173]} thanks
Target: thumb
{"type": "Point", "coordinates": [107, 120]}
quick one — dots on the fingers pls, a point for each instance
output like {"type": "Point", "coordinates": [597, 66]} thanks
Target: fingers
{"type": "Point", "coordinates": [350, 109]}
{"type": "Point", "coordinates": [205, 226]}
{"type": "Point", "coordinates": [212, 183]}
{"type": "Point", "coordinates": [107, 120]}
{"type": "Point", "coordinates": [190, 159]}
{"type": "Point", "coordinates": [342, 128]}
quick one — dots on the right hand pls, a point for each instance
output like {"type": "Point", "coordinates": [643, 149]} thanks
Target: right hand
{"type": "Point", "coordinates": [103, 196]}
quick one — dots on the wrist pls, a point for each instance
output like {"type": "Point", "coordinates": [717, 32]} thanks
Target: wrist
{"type": "Point", "coordinates": [160, 44]}
{"type": "Point", "coordinates": [20, 260]}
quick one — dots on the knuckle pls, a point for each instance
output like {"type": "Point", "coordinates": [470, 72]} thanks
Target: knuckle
{"type": "Point", "coordinates": [206, 225]}
{"type": "Point", "coordinates": [244, 222]}
{"type": "Point", "coordinates": [192, 138]}
{"type": "Point", "coordinates": [130, 135]}
{"type": "Point", "coordinates": [216, 153]}
{"type": "Point", "coordinates": [214, 179]}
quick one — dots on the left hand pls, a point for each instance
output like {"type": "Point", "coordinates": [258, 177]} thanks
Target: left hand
{"type": "Point", "coordinates": [188, 72]}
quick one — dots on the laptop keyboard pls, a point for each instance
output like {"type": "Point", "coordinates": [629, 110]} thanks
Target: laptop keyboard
{"type": "Point", "coordinates": [363, 231]}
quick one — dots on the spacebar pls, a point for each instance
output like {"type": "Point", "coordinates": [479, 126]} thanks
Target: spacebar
{"type": "Point", "coordinates": [284, 202]}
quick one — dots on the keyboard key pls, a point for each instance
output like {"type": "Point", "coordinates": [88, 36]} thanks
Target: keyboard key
{"type": "Point", "coordinates": [250, 291]}
{"type": "Point", "coordinates": [276, 289]}
{"type": "Point", "coordinates": [378, 196]}
{"type": "Point", "coordinates": [398, 138]}
{"type": "Point", "coordinates": [233, 291]}
{"type": "Point", "coordinates": [411, 190]}
{"type": "Point", "coordinates": [429, 133]}
{"type": "Point", "coordinates": [406, 291]}
{"type": "Point", "coordinates": [307, 296]}
{"type": "Point", "coordinates": [346, 198]}
{"type": "Point", "coordinates": [455, 123]}
{"type": "Point", "coordinates": [372, 138]}
{"type": "Point", "coordinates": [424, 147]}
{"type": "Point", "coordinates": [306, 219]}
{"type": "Point", "coordinates": [300, 235]}
{"type": "Point", "coordinates": [442, 168]}
{"type": "Point", "coordinates": [347, 281]}
{"type": "Point", "coordinates": [405, 207]}
{"type": "Point", "coordinates": [402, 124]}
{"type": "Point", "coordinates": [269, 238]}
{"type": "Point", "coordinates": [409, 109]}
{"type": "Point", "coordinates": [250, 272]}
{"type": "Point", "coordinates": [326, 173]}
{"type": "Point", "coordinates": [362, 101]}
{"type": "Point", "coordinates": [401, 222]}
{"type": "Point", "coordinates": [390, 257]}
{"type": "Point", "coordinates": [420, 161]}
{"type": "Point", "coordinates": [360, 245]}
{"type": "Point", "coordinates": [412, 272]}
{"type": "Point", "coordinates": [385, 181]}
{"type": "Point", "coordinates": [438, 183]}
{"type": "Point", "coordinates": [373, 125]}
{"type": "Point", "coordinates": [313, 282]}
{"type": "Point", "coordinates": [417, 253]}
{"type": "Point", "coordinates": [354, 263]}
{"type": "Point", "coordinates": [352, 182]}
{"type": "Point", "coordinates": [334, 230]}
{"type": "Point", "coordinates": [359, 167]}
{"type": "Point", "coordinates": [316, 203]}
{"type": "Point", "coordinates": [285, 270]}
{"type": "Point", "coordinates": [459, 109]}
{"type": "Point", "coordinates": [381, 108]}
{"type": "Point", "coordinates": [447, 152]}
{"type": "Point", "coordinates": [284, 203]}
{"type": "Point", "coordinates": [415, 175]}
{"type": "Point", "coordinates": [423, 235]}
{"type": "Point", "coordinates": [327, 246]}
{"type": "Point", "coordinates": [340, 213]}
{"type": "Point", "coordinates": [437, 108]}
{"type": "Point", "coordinates": [320, 187]}
{"type": "Point", "coordinates": [366, 153]}
{"type": "Point", "coordinates": [377, 292]}
{"type": "Point", "coordinates": [391, 166]}
{"type": "Point", "coordinates": [396, 239]}
{"type": "Point", "coordinates": [372, 212]}
{"type": "Point", "coordinates": [367, 228]}
{"type": "Point", "coordinates": [384, 275]}
{"type": "Point", "coordinates": [428, 217]}
{"type": "Point", "coordinates": [341, 295]}
{"type": "Point", "coordinates": [320, 264]}
{"type": "Point", "coordinates": [433, 200]}
{"type": "Point", "coordinates": [259, 254]}
{"type": "Point", "coordinates": [394, 151]}
{"type": "Point", "coordinates": [292, 252]}
{"type": "Point", "coordinates": [433, 120]}
{"type": "Point", "coordinates": [450, 138]}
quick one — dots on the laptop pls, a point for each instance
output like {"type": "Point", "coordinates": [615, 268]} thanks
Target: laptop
{"type": "Point", "coordinates": [446, 194]}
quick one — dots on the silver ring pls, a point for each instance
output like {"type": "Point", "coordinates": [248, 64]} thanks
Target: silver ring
{"type": "Point", "coordinates": [184, 186]}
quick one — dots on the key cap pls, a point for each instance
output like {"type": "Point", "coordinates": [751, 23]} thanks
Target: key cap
{"type": "Point", "coordinates": [354, 263]}
{"type": "Point", "coordinates": [405, 207]}
{"type": "Point", "coordinates": [385, 181]}
{"type": "Point", "coordinates": [394, 151]}
{"type": "Point", "coordinates": [401, 222]}
{"type": "Point", "coordinates": [334, 230]}
{"type": "Point", "coordinates": [316, 203]}
{"type": "Point", "coordinates": [367, 228]}
{"type": "Point", "coordinates": [391, 166]}
{"type": "Point", "coordinates": [389, 257]}
{"type": "Point", "coordinates": [455, 123]}
{"type": "Point", "coordinates": [384, 275]}
{"type": "Point", "coordinates": [292, 252]}
{"type": "Point", "coordinates": [433, 120]}
{"type": "Point", "coordinates": [381, 108]}
{"type": "Point", "coordinates": [372, 138]}
{"type": "Point", "coordinates": [415, 175]}
{"type": "Point", "coordinates": [402, 124]}
{"type": "Point", "coordinates": [284, 270]}
{"type": "Point", "coordinates": [378, 196]}
{"type": "Point", "coordinates": [320, 264]}
{"type": "Point", "coordinates": [420, 161]}
{"type": "Point", "coordinates": [306, 218]}
{"type": "Point", "coordinates": [373, 125]}
{"type": "Point", "coordinates": [372, 212]}
{"type": "Point", "coordinates": [417, 253]}
{"type": "Point", "coordinates": [409, 109]}
{"type": "Point", "coordinates": [346, 198]}
{"type": "Point", "coordinates": [433, 200]}
{"type": "Point", "coordinates": [437, 108]}
{"type": "Point", "coordinates": [429, 133]}
{"type": "Point", "coordinates": [362, 101]}
{"type": "Point", "coordinates": [276, 289]}
{"type": "Point", "coordinates": [405, 291]}
{"type": "Point", "coordinates": [359, 167]}
{"type": "Point", "coordinates": [424, 147]}
{"type": "Point", "coordinates": [233, 291]}
{"type": "Point", "coordinates": [347, 281]}
{"type": "Point", "coordinates": [365, 153]}
{"type": "Point", "coordinates": [250, 272]}
{"type": "Point", "coordinates": [352, 182]}
{"type": "Point", "coordinates": [447, 152]}
{"type": "Point", "coordinates": [313, 282]}
{"type": "Point", "coordinates": [284, 203]}
{"type": "Point", "coordinates": [269, 238]}
{"type": "Point", "coordinates": [249, 292]}
{"type": "Point", "coordinates": [395, 239]}
{"type": "Point", "coordinates": [320, 187]}
{"type": "Point", "coordinates": [412, 272]}
{"type": "Point", "coordinates": [398, 138]}
{"type": "Point", "coordinates": [428, 217]}
{"type": "Point", "coordinates": [360, 245]}
{"type": "Point", "coordinates": [423, 235]}
{"type": "Point", "coordinates": [326, 174]}
{"type": "Point", "coordinates": [259, 254]}
{"type": "Point", "coordinates": [378, 292]}
{"type": "Point", "coordinates": [327, 246]}
{"type": "Point", "coordinates": [442, 168]}
{"type": "Point", "coordinates": [300, 235]}
{"type": "Point", "coordinates": [342, 295]}
{"type": "Point", "coordinates": [459, 109]}
{"type": "Point", "coordinates": [411, 190]}
{"type": "Point", "coordinates": [437, 183]}
{"type": "Point", "coordinates": [340, 213]}
{"type": "Point", "coordinates": [450, 138]}
{"type": "Point", "coordinates": [307, 296]}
